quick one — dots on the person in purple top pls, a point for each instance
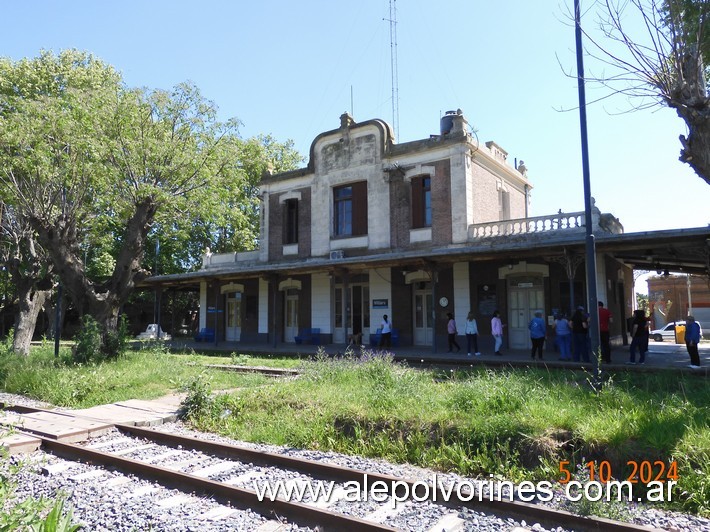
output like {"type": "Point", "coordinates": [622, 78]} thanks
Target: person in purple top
{"type": "Point", "coordinates": [451, 330]}
{"type": "Point", "coordinates": [497, 332]}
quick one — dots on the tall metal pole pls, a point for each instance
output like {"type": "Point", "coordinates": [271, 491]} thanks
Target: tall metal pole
{"type": "Point", "coordinates": [58, 320]}
{"type": "Point", "coordinates": [58, 313]}
{"type": "Point", "coordinates": [393, 60]}
{"type": "Point", "coordinates": [591, 263]}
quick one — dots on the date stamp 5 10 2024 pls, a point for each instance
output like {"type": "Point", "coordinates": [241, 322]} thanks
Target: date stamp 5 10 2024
{"type": "Point", "coordinates": [658, 476]}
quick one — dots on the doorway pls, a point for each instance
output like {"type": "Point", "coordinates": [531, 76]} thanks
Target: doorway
{"type": "Point", "coordinates": [233, 331]}
{"type": "Point", "coordinates": [355, 310]}
{"type": "Point", "coordinates": [291, 315]}
{"type": "Point", "coordinates": [423, 309]}
{"type": "Point", "coordinates": [526, 296]}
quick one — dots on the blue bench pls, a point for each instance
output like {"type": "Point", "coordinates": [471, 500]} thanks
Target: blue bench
{"type": "Point", "coordinates": [205, 334]}
{"type": "Point", "coordinates": [309, 336]}
{"type": "Point", "coordinates": [375, 338]}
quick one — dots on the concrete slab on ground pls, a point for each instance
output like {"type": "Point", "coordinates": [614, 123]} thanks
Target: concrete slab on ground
{"type": "Point", "coordinates": [49, 425]}
{"type": "Point", "coordinates": [19, 443]}
{"type": "Point", "coordinates": [92, 426]}
{"type": "Point", "coordinates": [154, 407]}
{"type": "Point", "coordinates": [125, 415]}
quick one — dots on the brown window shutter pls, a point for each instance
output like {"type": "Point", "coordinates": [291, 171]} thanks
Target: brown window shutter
{"type": "Point", "coordinates": [360, 208]}
{"type": "Point", "coordinates": [417, 202]}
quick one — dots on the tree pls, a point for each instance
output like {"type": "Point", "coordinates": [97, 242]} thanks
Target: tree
{"type": "Point", "coordinates": [642, 302]}
{"type": "Point", "coordinates": [668, 65]}
{"type": "Point", "coordinates": [232, 222]}
{"type": "Point", "coordinates": [30, 273]}
{"type": "Point", "coordinates": [86, 159]}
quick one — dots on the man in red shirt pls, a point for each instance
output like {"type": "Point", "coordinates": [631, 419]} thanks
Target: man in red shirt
{"type": "Point", "coordinates": [605, 319]}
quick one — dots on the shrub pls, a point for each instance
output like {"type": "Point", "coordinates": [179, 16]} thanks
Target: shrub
{"type": "Point", "coordinates": [91, 346]}
{"type": "Point", "coordinates": [198, 401]}
{"type": "Point", "coordinates": [88, 341]}
{"type": "Point", "coordinates": [116, 341]}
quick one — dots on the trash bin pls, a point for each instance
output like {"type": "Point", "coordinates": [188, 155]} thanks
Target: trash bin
{"type": "Point", "coordinates": [680, 334]}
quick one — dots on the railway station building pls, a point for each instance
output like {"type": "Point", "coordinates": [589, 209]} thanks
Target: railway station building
{"type": "Point", "coordinates": [416, 230]}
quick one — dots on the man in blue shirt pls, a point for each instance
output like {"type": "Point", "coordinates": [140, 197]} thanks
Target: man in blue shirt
{"type": "Point", "coordinates": [537, 334]}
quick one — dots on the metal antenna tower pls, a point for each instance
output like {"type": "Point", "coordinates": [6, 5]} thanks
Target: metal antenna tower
{"type": "Point", "coordinates": [393, 61]}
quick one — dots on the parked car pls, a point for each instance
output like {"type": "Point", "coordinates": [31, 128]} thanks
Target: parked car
{"type": "Point", "coordinates": [667, 332]}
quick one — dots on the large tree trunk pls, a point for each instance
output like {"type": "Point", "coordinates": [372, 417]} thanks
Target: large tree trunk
{"type": "Point", "coordinates": [689, 98]}
{"type": "Point", "coordinates": [102, 303]}
{"type": "Point", "coordinates": [696, 146]}
{"type": "Point", "coordinates": [51, 311]}
{"type": "Point", "coordinates": [30, 303]}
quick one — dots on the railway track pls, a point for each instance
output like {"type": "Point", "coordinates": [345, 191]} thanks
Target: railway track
{"type": "Point", "coordinates": [234, 477]}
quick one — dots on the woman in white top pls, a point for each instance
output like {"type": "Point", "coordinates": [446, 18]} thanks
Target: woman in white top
{"type": "Point", "coordinates": [472, 334]}
{"type": "Point", "coordinates": [386, 332]}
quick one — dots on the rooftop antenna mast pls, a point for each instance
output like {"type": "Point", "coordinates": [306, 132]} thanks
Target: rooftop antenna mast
{"type": "Point", "coordinates": [393, 60]}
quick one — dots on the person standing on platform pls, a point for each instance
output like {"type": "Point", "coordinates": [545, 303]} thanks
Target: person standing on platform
{"type": "Point", "coordinates": [563, 337]}
{"type": "Point", "coordinates": [451, 330]}
{"type": "Point", "coordinates": [605, 318]}
{"type": "Point", "coordinates": [580, 335]}
{"type": "Point", "coordinates": [692, 338]}
{"type": "Point", "coordinates": [472, 334]}
{"type": "Point", "coordinates": [497, 332]}
{"type": "Point", "coordinates": [386, 332]}
{"type": "Point", "coordinates": [537, 334]}
{"type": "Point", "coordinates": [639, 337]}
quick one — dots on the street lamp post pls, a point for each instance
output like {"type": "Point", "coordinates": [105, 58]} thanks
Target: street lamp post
{"type": "Point", "coordinates": [58, 313]}
{"type": "Point", "coordinates": [591, 265]}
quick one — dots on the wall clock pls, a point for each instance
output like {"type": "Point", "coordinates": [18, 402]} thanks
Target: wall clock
{"type": "Point", "coordinates": [444, 302]}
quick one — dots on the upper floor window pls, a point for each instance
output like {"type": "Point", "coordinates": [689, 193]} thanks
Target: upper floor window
{"type": "Point", "coordinates": [503, 204]}
{"type": "Point", "coordinates": [291, 221]}
{"type": "Point", "coordinates": [421, 201]}
{"type": "Point", "coordinates": [350, 209]}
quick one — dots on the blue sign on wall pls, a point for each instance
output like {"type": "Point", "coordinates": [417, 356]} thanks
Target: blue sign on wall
{"type": "Point", "coordinates": [380, 303]}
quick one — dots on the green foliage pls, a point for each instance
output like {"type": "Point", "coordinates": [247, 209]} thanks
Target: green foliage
{"type": "Point", "coordinates": [6, 343]}
{"type": "Point", "coordinates": [88, 341]}
{"type": "Point", "coordinates": [57, 520]}
{"type": "Point", "coordinates": [198, 401]}
{"type": "Point", "coordinates": [515, 423]}
{"type": "Point", "coordinates": [146, 374]}
{"type": "Point", "coordinates": [102, 171]}
{"type": "Point", "coordinates": [693, 455]}
{"type": "Point", "coordinates": [642, 302]}
{"type": "Point", "coordinates": [238, 359]}
{"type": "Point", "coordinates": [687, 21]}
{"type": "Point", "coordinates": [36, 515]}
{"type": "Point", "coordinates": [116, 342]}
{"type": "Point", "coordinates": [94, 345]}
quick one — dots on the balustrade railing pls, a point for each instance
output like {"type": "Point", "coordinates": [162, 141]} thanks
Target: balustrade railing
{"type": "Point", "coordinates": [573, 221]}
{"type": "Point", "coordinates": [215, 260]}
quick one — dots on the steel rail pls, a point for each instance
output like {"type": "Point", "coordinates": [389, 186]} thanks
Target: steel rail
{"type": "Point", "coordinates": [464, 498]}
{"type": "Point", "coordinates": [515, 509]}
{"type": "Point", "coordinates": [270, 372]}
{"type": "Point", "coordinates": [224, 493]}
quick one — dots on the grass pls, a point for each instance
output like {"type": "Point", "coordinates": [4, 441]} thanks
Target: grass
{"type": "Point", "coordinates": [145, 374]}
{"type": "Point", "coordinates": [517, 423]}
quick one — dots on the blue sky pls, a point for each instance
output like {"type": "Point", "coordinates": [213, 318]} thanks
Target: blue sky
{"type": "Point", "coordinates": [291, 68]}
